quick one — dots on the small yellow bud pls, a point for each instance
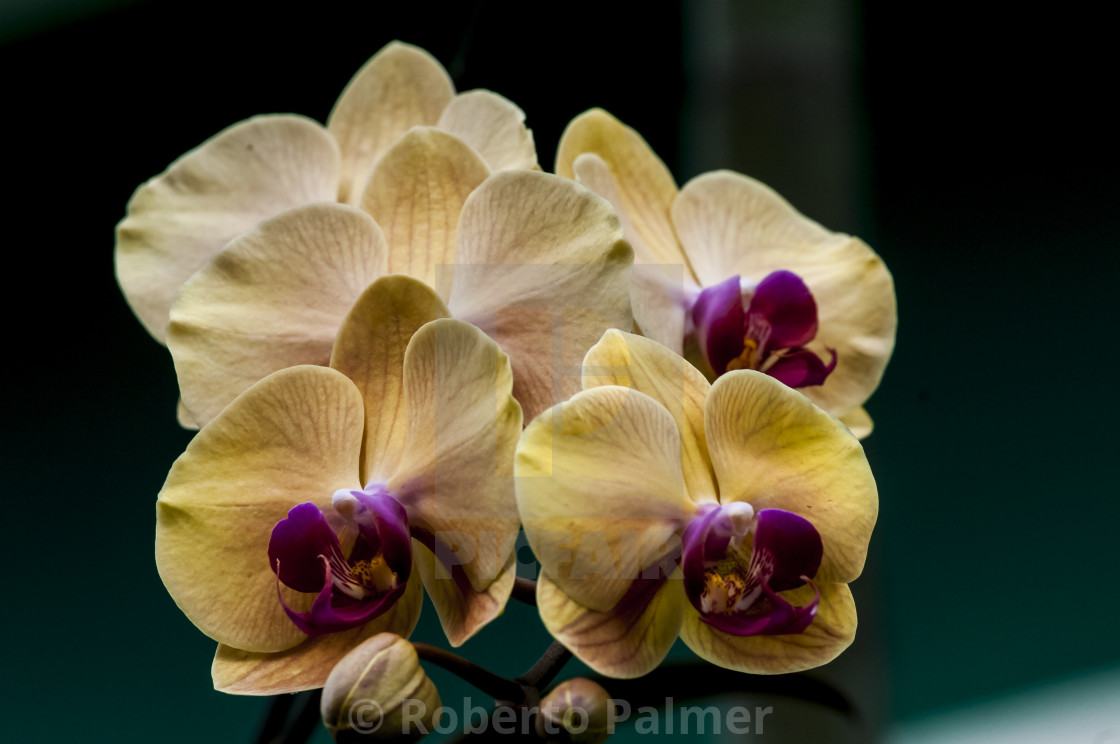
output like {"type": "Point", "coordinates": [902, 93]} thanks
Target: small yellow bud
{"type": "Point", "coordinates": [575, 712]}
{"type": "Point", "coordinates": [379, 692]}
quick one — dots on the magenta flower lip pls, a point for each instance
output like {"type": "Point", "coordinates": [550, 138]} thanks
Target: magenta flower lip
{"type": "Point", "coordinates": [769, 335]}
{"type": "Point", "coordinates": [306, 555]}
{"type": "Point", "coordinates": [734, 585]}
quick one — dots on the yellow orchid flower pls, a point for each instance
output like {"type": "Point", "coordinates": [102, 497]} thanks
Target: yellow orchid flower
{"type": "Point", "coordinates": [260, 167]}
{"type": "Point", "coordinates": [530, 258]}
{"type": "Point", "coordinates": [727, 272]}
{"type": "Point", "coordinates": [731, 514]}
{"type": "Point", "coordinates": [306, 515]}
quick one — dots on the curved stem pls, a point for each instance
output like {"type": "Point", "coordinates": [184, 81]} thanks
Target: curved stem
{"type": "Point", "coordinates": [547, 667]}
{"type": "Point", "coordinates": [497, 687]}
{"type": "Point", "coordinates": [525, 591]}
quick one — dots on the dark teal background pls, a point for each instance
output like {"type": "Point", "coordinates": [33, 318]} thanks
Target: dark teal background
{"type": "Point", "coordinates": [985, 177]}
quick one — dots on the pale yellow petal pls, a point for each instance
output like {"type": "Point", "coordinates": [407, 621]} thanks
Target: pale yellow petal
{"type": "Point", "coordinates": [293, 438]}
{"type": "Point", "coordinates": [493, 126]}
{"type": "Point", "coordinates": [543, 269]}
{"type": "Point", "coordinates": [660, 295]}
{"type": "Point", "coordinates": [183, 416]}
{"type": "Point", "coordinates": [274, 298]}
{"type": "Point", "coordinates": [635, 362]}
{"type": "Point", "coordinates": [307, 666]}
{"type": "Point", "coordinates": [416, 193]}
{"type": "Point", "coordinates": [455, 475]}
{"type": "Point", "coordinates": [643, 188]}
{"type": "Point", "coordinates": [625, 642]}
{"type": "Point", "coordinates": [858, 422]}
{"type": "Point", "coordinates": [400, 87]}
{"type": "Point", "coordinates": [731, 224]}
{"type": "Point", "coordinates": [773, 448]}
{"type": "Point", "coordinates": [725, 220]}
{"type": "Point", "coordinates": [370, 350]}
{"type": "Point", "coordinates": [831, 631]}
{"type": "Point", "coordinates": [600, 491]}
{"type": "Point", "coordinates": [178, 220]}
{"type": "Point", "coordinates": [462, 610]}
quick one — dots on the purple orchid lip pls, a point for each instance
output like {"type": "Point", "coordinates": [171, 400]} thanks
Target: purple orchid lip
{"type": "Point", "coordinates": [735, 587]}
{"type": "Point", "coordinates": [767, 335]}
{"type": "Point", "coordinates": [306, 555]}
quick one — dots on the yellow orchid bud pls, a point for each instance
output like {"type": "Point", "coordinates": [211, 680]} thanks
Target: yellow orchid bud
{"type": "Point", "coordinates": [576, 711]}
{"type": "Point", "coordinates": [380, 692]}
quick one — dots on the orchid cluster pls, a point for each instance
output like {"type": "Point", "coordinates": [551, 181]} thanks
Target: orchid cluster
{"type": "Point", "coordinates": [404, 345]}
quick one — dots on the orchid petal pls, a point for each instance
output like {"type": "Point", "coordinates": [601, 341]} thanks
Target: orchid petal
{"type": "Point", "coordinates": [831, 631]}
{"type": "Point", "coordinates": [635, 362]}
{"type": "Point", "coordinates": [274, 298]}
{"type": "Point", "coordinates": [297, 546]}
{"type": "Point", "coordinates": [771, 447]}
{"type": "Point", "coordinates": [454, 476]}
{"type": "Point", "coordinates": [732, 224]}
{"type": "Point", "coordinates": [370, 350]}
{"type": "Point", "coordinates": [306, 666]}
{"type": "Point", "coordinates": [788, 308]}
{"type": "Point", "coordinates": [601, 492]}
{"type": "Point", "coordinates": [294, 437]}
{"type": "Point", "coordinates": [493, 126]}
{"type": "Point", "coordinates": [178, 220]}
{"type": "Point", "coordinates": [659, 292]}
{"type": "Point", "coordinates": [462, 610]}
{"type": "Point", "coordinates": [626, 641]}
{"type": "Point", "coordinates": [331, 613]}
{"type": "Point", "coordinates": [725, 220]}
{"type": "Point", "coordinates": [542, 269]}
{"type": "Point", "coordinates": [416, 193]}
{"type": "Point", "coordinates": [400, 87]}
{"type": "Point", "coordinates": [859, 422]}
{"type": "Point", "coordinates": [801, 368]}
{"type": "Point", "coordinates": [660, 295]}
{"type": "Point", "coordinates": [643, 186]}
{"type": "Point", "coordinates": [719, 318]}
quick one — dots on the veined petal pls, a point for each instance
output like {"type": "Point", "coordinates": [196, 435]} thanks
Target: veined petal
{"type": "Point", "coordinates": [454, 476]}
{"type": "Point", "coordinates": [400, 87]}
{"type": "Point", "coordinates": [370, 350]}
{"type": "Point", "coordinates": [725, 220]}
{"type": "Point", "coordinates": [416, 193]}
{"type": "Point", "coordinates": [462, 610]}
{"type": "Point", "coordinates": [642, 184]}
{"type": "Point", "coordinates": [274, 298]}
{"type": "Point", "coordinates": [178, 220]}
{"type": "Point", "coordinates": [731, 224]}
{"type": "Point", "coordinates": [306, 666]}
{"type": "Point", "coordinates": [831, 631]}
{"type": "Point", "coordinates": [292, 438]}
{"type": "Point", "coordinates": [771, 447]}
{"type": "Point", "coordinates": [543, 269]}
{"type": "Point", "coordinates": [493, 126]}
{"type": "Point", "coordinates": [624, 642]}
{"type": "Point", "coordinates": [644, 365]}
{"type": "Point", "coordinates": [601, 492]}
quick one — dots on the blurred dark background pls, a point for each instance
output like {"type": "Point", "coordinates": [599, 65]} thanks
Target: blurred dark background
{"type": "Point", "coordinates": [971, 148]}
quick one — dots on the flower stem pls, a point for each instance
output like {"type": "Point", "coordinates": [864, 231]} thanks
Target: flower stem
{"type": "Point", "coordinates": [547, 667]}
{"type": "Point", "coordinates": [499, 688]}
{"type": "Point", "coordinates": [525, 591]}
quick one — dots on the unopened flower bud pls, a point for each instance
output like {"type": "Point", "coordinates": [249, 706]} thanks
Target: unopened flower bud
{"type": "Point", "coordinates": [575, 712]}
{"type": "Point", "coordinates": [379, 692]}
